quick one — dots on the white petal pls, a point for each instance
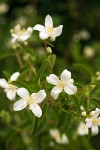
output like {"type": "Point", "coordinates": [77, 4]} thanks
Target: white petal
{"type": "Point", "coordinates": [57, 89]}
{"type": "Point", "coordinates": [11, 94]}
{"type": "Point", "coordinates": [36, 110]}
{"type": "Point", "coordinates": [82, 129]}
{"type": "Point", "coordinates": [48, 22]}
{"type": "Point", "coordinates": [65, 76]}
{"type": "Point", "coordinates": [53, 79]}
{"type": "Point", "coordinates": [88, 122]}
{"type": "Point", "coordinates": [43, 35]}
{"type": "Point", "coordinates": [97, 112]}
{"type": "Point", "coordinates": [26, 35]}
{"type": "Point", "coordinates": [95, 130]}
{"type": "Point", "coordinates": [64, 139]}
{"type": "Point", "coordinates": [14, 76]}
{"type": "Point", "coordinates": [70, 89]}
{"type": "Point", "coordinates": [54, 95]}
{"type": "Point", "coordinates": [58, 31]}
{"type": "Point", "coordinates": [38, 27]}
{"type": "Point", "coordinates": [3, 83]}
{"type": "Point", "coordinates": [39, 97]}
{"type": "Point", "coordinates": [23, 93]}
{"type": "Point", "coordinates": [19, 105]}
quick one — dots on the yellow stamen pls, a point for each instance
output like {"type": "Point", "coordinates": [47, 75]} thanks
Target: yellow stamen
{"type": "Point", "coordinates": [61, 84]}
{"type": "Point", "coordinates": [96, 121]}
{"type": "Point", "coordinates": [50, 30]}
{"type": "Point", "coordinates": [30, 101]}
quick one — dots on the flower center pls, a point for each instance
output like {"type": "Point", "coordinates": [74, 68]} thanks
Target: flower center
{"type": "Point", "coordinates": [18, 31]}
{"type": "Point", "coordinates": [11, 86]}
{"type": "Point", "coordinates": [61, 84]}
{"type": "Point", "coordinates": [96, 121]}
{"type": "Point", "coordinates": [50, 30]}
{"type": "Point", "coordinates": [30, 101]}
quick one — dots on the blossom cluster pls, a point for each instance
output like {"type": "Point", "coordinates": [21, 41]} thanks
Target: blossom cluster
{"type": "Point", "coordinates": [34, 99]}
{"type": "Point", "coordinates": [63, 83]}
{"type": "Point", "coordinates": [45, 32]}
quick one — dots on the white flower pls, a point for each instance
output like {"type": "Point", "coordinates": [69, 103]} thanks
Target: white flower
{"type": "Point", "coordinates": [82, 129]}
{"type": "Point", "coordinates": [60, 139]}
{"type": "Point", "coordinates": [10, 89]}
{"type": "Point", "coordinates": [48, 31]}
{"type": "Point", "coordinates": [93, 121]}
{"type": "Point", "coordinates": [20, 35]}
{"type": "Point", "coordinates": [4, 7]}
{"type": "Point", "coordinates": [65, 82]}
{"type": "Point", "coordinates": [30, 100]}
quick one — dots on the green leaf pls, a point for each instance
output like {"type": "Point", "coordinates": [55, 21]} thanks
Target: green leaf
{"type": "Point", "coordinates": [96, 82]}
{"type": "Point", "coordinates": [64, 120]}
{"type": "Point", "coordinates": [44, 110]}
{"type": "Point", "coordinates": [42, 68]}
{"type": "Point", "coordinates": [96, 89]}
{"type": "Point", "coordinates": [6, 54]}
{"type": "Point", "coordinates": [6, 74]}
{"type": "Point", "coordinates": [21, 84]}
{"type": "Point", "coordinates": [69, 112]}
{"type": "Point", "coordinates": [96, 102]}
{"type": "Point", "coordinates": [81, 99]}
{"type": "Point", "coordinates": [85, 67]}
{"type": "Point", "coordinates": [51, 60]}
{"type": "Point", "coordinates": [76, 103]}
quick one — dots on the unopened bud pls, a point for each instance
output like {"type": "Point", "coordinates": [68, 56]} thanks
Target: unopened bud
{"type": "Point", "coordinates": [83, 113]}
{"type": "Point", "coordinates": [82, 108]}
{"type": "Point", "coordinates": [49, 50]}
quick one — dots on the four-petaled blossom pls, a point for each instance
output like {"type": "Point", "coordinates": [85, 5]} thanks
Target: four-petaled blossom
{"type": "Point", "coordinates": [20, 35]}
{"type": "Point", "coordinates": [93, 121]}
{"type": "Point", "coordinates": [65, 82]}
{"type": "Point", "coordinates": [82, 129]}
{"type": "Point", "coordinates": [60, 139]}
{"type": "Point", "coordinates": [10, 89]}
{"type": "Point", "coordinates": [48, 31]}
{"type": "Point", "coordinates": [30, 100]}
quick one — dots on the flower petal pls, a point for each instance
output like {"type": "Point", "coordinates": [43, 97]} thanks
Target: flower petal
{"type": "Point", "coordinates": [64, 139]}
{"type": "Point", "coordinates": [53, 79]}
{"type": "Point", "coordinates": [39, 97]}
{"type": "Point", "coordinates": [70, 89]}
{"type": "Point", "coordinates": [95, 130]}
{"type": "Point", "coordinates": [14, 76]}
{"type": "Point", "coordinates": [43, 35]}
{"type": "Point", "coordinates": [19, 105]}
{"type": "Point", "coordinates": [57, 89]}
{"type": "Point", "coordinates": [88, 122]}
{"type": "Point", "coordinates": [3, 83]}
{"type": "Point", "coordinates": [26, 34]}
{"type": "Point", "coordinates": [82, 129]}
{"type": "Point", "coordinates": [23, 93]}
{"type": "Point", "coordinates": [11, 94]}
{"type": "Point", "coordinates": [48, 22]}
{"type": "Point", "coordinates": [38, 27]}
{"type": "Point", "coordinates": [36, 110]}
{"type": "Point", "coordinates": [58, 30]}
{"type": "Point", "coordinates": [97, 112]}
{"type": "Point", "coordinates": [65, 76]}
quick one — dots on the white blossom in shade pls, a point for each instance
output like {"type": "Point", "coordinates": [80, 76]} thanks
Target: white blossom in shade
{"type": "Point", "coordinates": [30, 100]}
{"type": "Point", "coordinates": [65, 82]}
{"type": "Point", "coordinates": [89, 52]}
{"type": "Point", "coordinates": [93, 121]}
{"type": "Point", "coordinates": [4, 7]}
{"type": "Point", "coordinates": [20, 35]}
{"type": "Point", "coordinates": [48, 31]}
{"type": "Point", "coordinates": [60, 139]}
{"type": "Point", "coordinates": [82, 129]}
{"type": "Point", "coordinates": [10, 89]}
